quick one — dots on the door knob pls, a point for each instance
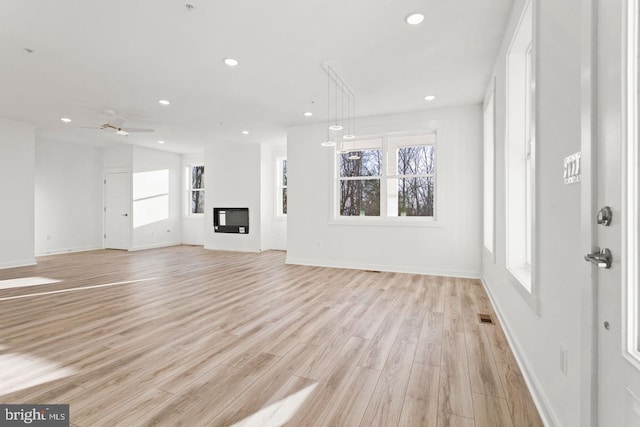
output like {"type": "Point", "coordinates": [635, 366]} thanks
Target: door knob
{"type": "Point", "coordinates": [602, 258]}
{"type": "Point", "coordinates": [125, 214]}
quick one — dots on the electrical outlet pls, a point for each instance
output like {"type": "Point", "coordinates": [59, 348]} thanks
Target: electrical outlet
{"type": "Point", "coordinates": [320, 244]}
{"type": "Point", "coordinates": [48, 236]}
{"type": "Point", "coordinates": [564, 359]}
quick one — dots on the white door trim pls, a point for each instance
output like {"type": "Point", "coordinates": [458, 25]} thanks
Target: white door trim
{"type": "Point", "coordinates": [589, 296]}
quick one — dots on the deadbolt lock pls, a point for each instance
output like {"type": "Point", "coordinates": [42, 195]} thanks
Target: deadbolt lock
{"type": "Point", "coordinates": [604, 216]}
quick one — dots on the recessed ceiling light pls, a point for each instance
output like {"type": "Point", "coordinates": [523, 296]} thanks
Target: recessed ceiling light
{"type": "Point", "coordinates": [160, 142]}
{"type": "Point", "coordinates": [245, 132]}
{"type": "Point", "coordinates": [348, 136]}
{"type": "Point", "coordinates": [308, 114]}
{"type": "Point", "coordinates": [430, 97]}
{"type": "Point", "coordinates": [65, 119]}
{"type": "Point", "coordinates": [414, 18]}
{"type": "Point", "coordinates": [231, 62]}
{"type": "Point", "coordinates": [328, 144]}
{"type": "Point", "coordinates": [335, 127]}
{"type": "Point", "coordinates": [164, 101]}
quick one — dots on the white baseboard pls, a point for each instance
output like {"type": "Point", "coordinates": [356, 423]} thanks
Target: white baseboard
{"type": "Point", "coordinates": [540, 399]}
{"type": "Point", "coordinates": [18, 263]}
{"type": "Point", "coordinates": [382, 267]}
{"type": "Point", "coordinates": [68, 250]}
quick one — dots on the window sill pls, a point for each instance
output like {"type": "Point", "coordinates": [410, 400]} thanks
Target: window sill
{"type": "Point", "coordinates": [522, 281]}
{"type": "Point", "coordinates": [369, 221]}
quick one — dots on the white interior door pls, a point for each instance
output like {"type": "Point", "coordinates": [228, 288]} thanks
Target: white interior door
{"type": "Point", "coordinates": [117, 214]}
{"type": "Point", "coordinates": [618, 365]}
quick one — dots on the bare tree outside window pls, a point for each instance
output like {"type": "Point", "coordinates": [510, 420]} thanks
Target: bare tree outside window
{"type": "Point", "coordinates": [283, 187]}
{"type": "Point", "coordinates": [197, 190]}
{"type": "Point", "coordinates": [416, 186]}
{"type": "Point", "coordinates": [388, 176]}
{"type": "Point", "coordinates": [359, 194]}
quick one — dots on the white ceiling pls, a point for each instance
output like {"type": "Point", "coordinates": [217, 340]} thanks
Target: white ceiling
{"type": "Point", "coordinates": [90, 56]}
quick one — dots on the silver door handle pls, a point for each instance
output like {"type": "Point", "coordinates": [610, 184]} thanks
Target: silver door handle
{"type": "Point", "coordinates": [125, 214]}
{"type": "Point", "coordinates": [602, 258]}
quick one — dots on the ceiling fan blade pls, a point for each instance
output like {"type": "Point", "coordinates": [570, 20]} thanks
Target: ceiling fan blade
{"type": "Point", "coordinates": [137, 130]}
{"type": "Point", "coordinates": [88, 127]}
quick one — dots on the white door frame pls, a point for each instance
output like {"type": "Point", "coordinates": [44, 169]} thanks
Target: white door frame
{"type": "Point", "coordinates": [589, 295]}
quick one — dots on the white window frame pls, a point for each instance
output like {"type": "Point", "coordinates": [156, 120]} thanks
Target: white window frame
{"type": "Point", "coordinates": [385, 218]}
{"type": "Point", "coordinates": [631, 194]}
{"type": "Point", "coordinates": [520, 157]}
{"type": "Point", "coordinates": [280, 187]}
{"type": "Point", "coordinates": [189, 189]}
{"type": "Point", "coordinates": [489, 173]}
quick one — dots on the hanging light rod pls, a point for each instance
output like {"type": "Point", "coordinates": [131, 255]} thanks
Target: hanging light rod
{"type": "Point", "coordinates": [341, 123]}
{"type": "Point", "coordinates": [334, 76]}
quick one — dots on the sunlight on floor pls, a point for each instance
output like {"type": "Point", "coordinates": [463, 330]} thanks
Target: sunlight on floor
{"type": "Point", "coordinates": [81, 288]}
{"type": "Point", "coordinates": [278, 413]}
{"type": "Point", "coordinates": [20, 372]}
{"type": "Point", "coordinates": [26, 281]}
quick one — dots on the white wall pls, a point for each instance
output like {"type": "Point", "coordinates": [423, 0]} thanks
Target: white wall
{"type": "Point", "coordinates": [16, 193]}
{"type": "Point", "coordinates": [117, 158]}
{"type": "Point", "coordinates": [559, 268]}
{"type": "Point", "coordinates": [165, 232]}
{"type": "Point", "coordinates": [232, 179]}
{"type": "Point", "coordinates": [451, 248]}
{"type": "Point", "coordinates": [68, 197]}
{"type": "Point", "coordinates": [274, 228]}
{"type": "Point", "coordinates": [192, 226]}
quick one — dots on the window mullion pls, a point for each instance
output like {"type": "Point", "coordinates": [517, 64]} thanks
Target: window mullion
{"type": "Point", "coordinates": [384, 209]}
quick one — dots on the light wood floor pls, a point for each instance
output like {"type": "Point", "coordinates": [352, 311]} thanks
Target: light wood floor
{"type": "Point", "coordinates": [221, 339]}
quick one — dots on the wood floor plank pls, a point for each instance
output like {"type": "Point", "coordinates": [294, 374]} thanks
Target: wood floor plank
{"type": "Point", "coordinates": [482, 367]}
{"type": "Point", "coordinates": [381, 343]}
{"type": "Point", "coordinates": [521, 407]}
{"type": "Point", "coordinates": [490, 411]}
{"type": "Point", "coordinates": [316, 408]}
{"type": "Point", "coordinates": [454, 395]}
{"type": "Point", "coordinates": [430, 341]}
{"type": "Point", "coordinates": [283, 404]}
{"type": "Point", "coordinates": [354, 398]}
{"type": "Point", "coordinates": [453, 320]}
{"type": "Point", "coordinates": [450, 420]}
{"type": "Point", "coordinates": [184, 336]}
{"type": "Point", "coordinates": [385, 405]}
{"type": "Point", "coordinates": [421, 402]}
{"type": "Point", "coordinates": [261, 390]}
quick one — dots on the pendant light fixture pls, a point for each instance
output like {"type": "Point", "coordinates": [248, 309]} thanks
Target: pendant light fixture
{"type": "Point", "coordinates": [328, 142]}
{"type": "Point", "coordinates": [336, 126]}
{"type": "Point", "coordinates": [340, 110]}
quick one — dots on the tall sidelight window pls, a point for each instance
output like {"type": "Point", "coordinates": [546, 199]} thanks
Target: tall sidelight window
{"type": "Point", "coordinates": [489, 174]}
{"type": "Point", "coordinates": [631, 185]}
{"type": "Point", "coordinates": [520, 152]}
{"type": "Point", "coordinates": [281, 198]}
{"type": "Point", "coordinates": [388, 176]}
{"type": "Point", "coordinates": [195, 178]}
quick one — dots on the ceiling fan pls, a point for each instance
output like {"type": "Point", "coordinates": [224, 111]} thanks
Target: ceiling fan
{"type": "Point", "coordinates": [115, 124]}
